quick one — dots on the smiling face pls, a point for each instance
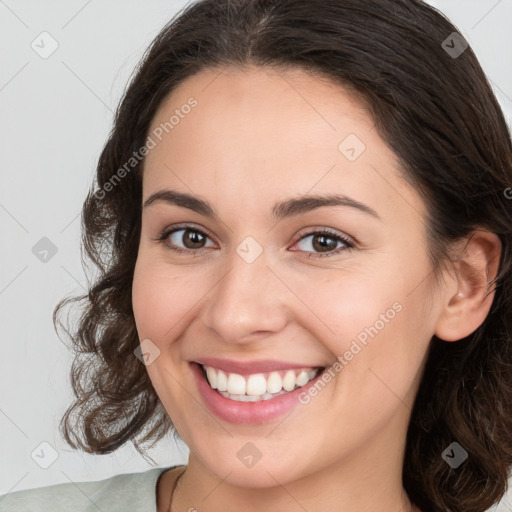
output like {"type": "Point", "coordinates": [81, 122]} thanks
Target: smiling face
{"type": "Point", "coordinates": [260, 283]}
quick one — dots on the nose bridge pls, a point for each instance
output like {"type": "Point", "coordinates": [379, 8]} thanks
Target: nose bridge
{"type": "Point", "coordinates": [247, 299]}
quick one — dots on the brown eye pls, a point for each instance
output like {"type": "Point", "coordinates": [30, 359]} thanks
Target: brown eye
{"type": "Point", "coordinates": [325, 243]}
{"type": "Point", "coordinates": [322, 243]}
{"type": "Point", "coordinates": [184, 239]}
{"type": "Point", "coordinates": [192, 239]}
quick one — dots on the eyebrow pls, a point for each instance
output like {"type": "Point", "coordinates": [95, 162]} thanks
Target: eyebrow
{"type": "Point", "coordinates": [289, 208]}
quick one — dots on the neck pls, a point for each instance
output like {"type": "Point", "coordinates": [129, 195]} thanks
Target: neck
{"type": "Point", "coordinates": [363, 481]}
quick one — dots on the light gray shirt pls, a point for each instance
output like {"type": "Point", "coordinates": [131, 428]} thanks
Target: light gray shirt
{"type": "Point", "coordinates": [131, 492]}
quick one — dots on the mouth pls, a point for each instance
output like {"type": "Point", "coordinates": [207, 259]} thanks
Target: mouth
{"type": "Point", "coordinates": [235, 393]}
{"type": "Point", "coordinates": [257, 387]}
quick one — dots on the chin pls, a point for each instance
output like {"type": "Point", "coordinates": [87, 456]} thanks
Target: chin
{"type": "Point", "coordinates": [263, 473]}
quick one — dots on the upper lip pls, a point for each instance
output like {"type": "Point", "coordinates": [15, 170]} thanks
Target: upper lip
{"type": "Point", "coordinates": [249, 367]}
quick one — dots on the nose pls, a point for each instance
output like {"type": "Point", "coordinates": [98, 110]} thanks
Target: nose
{"type": "Point", "coordinates": [248, 302]}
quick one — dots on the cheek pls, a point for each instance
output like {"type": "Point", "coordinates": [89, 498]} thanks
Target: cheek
{"type": "Point", "coordinates": [346, 304]}
{"type": "Point", "coordinates": [374, 319]}
{"type": "Point", "coordinates": [161, 297]}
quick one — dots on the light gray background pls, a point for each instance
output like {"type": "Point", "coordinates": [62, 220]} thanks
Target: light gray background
{"type": "Point", "coordinates": [56, 114]}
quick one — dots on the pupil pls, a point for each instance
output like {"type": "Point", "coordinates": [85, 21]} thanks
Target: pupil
{"type": "Point", "coordinates": [194, 237]}
{"type": "Point", "coordinates": [322, 246]}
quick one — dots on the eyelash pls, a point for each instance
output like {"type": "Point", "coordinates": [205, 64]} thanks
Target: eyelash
{"type": "Point", "coordinates": [162, 238]}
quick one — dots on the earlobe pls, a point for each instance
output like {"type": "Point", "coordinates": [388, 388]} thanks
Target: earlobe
{"type": "Point", "coordinates": [466, 308]}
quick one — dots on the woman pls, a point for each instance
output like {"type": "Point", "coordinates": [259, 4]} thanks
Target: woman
{"type": "Point", "coordinates": [303, 228]}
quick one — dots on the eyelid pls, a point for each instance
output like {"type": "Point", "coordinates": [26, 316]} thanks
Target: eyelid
{"type": "Point", "coordinates": [167, 231]}
{"type": "Point", "coordinates": [177, 227]}
{"type": "Point", "coordinates": [311, 230]}
{"type": "Point", "coordinates": [348, 241]}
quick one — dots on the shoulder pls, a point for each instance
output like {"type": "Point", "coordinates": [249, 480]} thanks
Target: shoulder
{"type": "Point", "coordinates": [131, 491]}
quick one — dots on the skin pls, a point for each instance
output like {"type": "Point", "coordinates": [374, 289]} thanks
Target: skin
{"type": "Point", "coordinates": [256, 137]}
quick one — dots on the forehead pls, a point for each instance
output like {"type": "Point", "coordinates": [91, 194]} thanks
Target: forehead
{"type": "Point", "coordinates": [259, 134]}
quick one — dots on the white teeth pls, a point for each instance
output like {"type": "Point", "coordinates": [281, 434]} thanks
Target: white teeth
{"type": "Point", "coordinates": [241, 398]}
{"type": "Point", "coordinates": [222, 380]}
{"type": "Point", "coordinates": [289, 380]}
{"type": "Point", "coordinates": [236, 384]}
{"type": "Point", "coordinates": [302, 378]}
{"type": "Point", "coordinates": [257, 386]}
{"type": "Point", "coordinates": [249, 398]}
{"type": "Point", "coordinates": [274, 383]}
{"type": "Point", "coordinates": [212, 377]}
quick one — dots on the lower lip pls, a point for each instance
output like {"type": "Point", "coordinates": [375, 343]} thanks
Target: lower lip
{"type": "Point", "coordinates": [233, 411]}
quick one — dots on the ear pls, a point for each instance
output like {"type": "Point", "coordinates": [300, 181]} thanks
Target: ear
{"type": "Point", "coordinates": [468, 298]}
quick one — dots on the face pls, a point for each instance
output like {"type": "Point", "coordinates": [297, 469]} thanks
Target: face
{"type": "Point", "coordinates": [251, 288]}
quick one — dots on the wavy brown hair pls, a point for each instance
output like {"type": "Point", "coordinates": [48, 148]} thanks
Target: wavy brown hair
{"type": "Point", "coordinates": [439, 115]}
